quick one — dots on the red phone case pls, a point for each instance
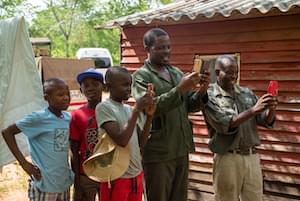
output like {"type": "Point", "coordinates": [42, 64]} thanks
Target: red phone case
{"type": "Point", "coordinates": [273, 88]}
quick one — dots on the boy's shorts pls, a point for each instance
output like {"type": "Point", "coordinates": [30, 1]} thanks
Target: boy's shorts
{"type": "Point", "coordinates": [35, 194]}
{"type": "Point", "coordinates": [129, 189]}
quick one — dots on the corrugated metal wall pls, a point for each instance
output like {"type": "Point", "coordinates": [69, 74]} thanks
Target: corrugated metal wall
{"type": "Point", "coordinates": [269, 49]}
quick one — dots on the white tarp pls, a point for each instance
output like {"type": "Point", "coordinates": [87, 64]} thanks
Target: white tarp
{"type": "Point", "coordinates": [20, 85]}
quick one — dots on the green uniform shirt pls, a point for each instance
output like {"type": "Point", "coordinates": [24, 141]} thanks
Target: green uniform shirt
{"type": "Point", "coordinates": [219, 111]}
{"type": "Point", "coordinates": [171, 133]}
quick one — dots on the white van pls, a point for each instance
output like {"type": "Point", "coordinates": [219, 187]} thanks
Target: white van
{"type": "Point", "coordinates": [101, 56]}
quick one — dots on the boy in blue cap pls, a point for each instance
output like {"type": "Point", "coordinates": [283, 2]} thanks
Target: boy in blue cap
{"type": "Point", "coordinates": [83, 134]}
{"type": "Point", "coordinates": [47, 131]}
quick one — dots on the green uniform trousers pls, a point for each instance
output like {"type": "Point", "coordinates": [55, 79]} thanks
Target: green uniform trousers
{"type": "Point", "coordinates": [167, 181]}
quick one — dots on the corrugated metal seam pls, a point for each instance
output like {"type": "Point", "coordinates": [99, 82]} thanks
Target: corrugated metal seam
{"type": "Point", "coordinates": [206, 8]}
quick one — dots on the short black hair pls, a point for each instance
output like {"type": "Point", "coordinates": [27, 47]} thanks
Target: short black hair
{"type": "Point", "coordinates": [49, 83]}
{"type": "Point", "coordinates": [220, 61]}
{"type": "Point", "coordinates": [152, 34]}
{"type": "Point", "coordinates": [111, 71]}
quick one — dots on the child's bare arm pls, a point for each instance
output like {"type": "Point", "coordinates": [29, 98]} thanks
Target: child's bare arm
{"type": "Point", "coordinates": [121, 136]}
{"type": "Point", "coordinates": [75, 163]}
{"type": "Point", "coordinates": [145, 133]}
{"type": "Point", "coordinates": [9, 137]}
{"type": "Point", "coordinates": [75, 158]}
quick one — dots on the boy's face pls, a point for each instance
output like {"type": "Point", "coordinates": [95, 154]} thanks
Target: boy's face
{"type": "Point", "coordinates": [92, 89]}
{"type": "Point", "coordinates": [58, 96]}
{"type": "Point", "coordinates": [120, 87]}
{"type": "Point", "coordinates": [159, 53]}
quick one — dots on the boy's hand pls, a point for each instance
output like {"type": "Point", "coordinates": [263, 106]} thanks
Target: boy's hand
{"type": "Point", "coordinates": [143, 102]}
{"type": "Point", "coordinates": [32, 170]}
{"type": "Point", "coordinates": [146, 102]}
{"type": "Point", "coordinates": [151, 110]}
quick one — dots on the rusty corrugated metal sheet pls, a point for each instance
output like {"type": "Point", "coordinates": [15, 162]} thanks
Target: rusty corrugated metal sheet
{"type": "Point", "coordinates": [206, 8]}
{"type": "Point", "coordinates": [269, 48]}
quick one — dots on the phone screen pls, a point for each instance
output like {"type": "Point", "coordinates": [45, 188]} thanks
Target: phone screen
{"type": "Point", "coordinates": [204, 67]}
{"type": "Point", "coordinates": [200, 65]}
{"type": "Point", "coordinates": [197, 64]}
{"type": "Point", "coordinates": [273, 88]}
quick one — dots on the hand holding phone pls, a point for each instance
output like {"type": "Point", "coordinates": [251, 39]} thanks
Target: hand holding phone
{"type": "Point", "coordinates": [273, 88]}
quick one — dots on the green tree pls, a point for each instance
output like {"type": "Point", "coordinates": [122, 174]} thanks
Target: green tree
{"type": "Point", "coordinates": [8, 8]}
{"type": "Point", "coordinates": [110, 38]}
{"type": "Point", "coordinates": [66, 14]}
{"type": "Point", "coordinates": [82, 32]}
{"type": "Point", "coordinates": [70, 24]}
{"type": "Point", "coordinates": [166, 1]}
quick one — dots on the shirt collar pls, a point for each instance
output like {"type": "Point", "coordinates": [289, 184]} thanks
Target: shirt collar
{"type": "Point", "coordinates": [219, 91]}
{"type": "Point", "coordinates": [148, 65]}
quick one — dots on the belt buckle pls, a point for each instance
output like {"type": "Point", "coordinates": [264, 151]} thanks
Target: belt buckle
{"type": "Point", "coordinates": [244, 151]}
{"type": "Point", "coordinates": [248, 151]}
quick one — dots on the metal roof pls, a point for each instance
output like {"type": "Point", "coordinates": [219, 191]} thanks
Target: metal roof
{"type": "Point", "coordinates": [206, 8]}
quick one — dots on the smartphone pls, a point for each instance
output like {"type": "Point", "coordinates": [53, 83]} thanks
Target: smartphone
{"type": "Point", "coordinates": [204, 67]}
{"type": "Point", "coordinates": [197, 64]}
{"type": "Point", "coordinates": [273, 88]}
{"type": "Point", "coordinates": [200, 65]}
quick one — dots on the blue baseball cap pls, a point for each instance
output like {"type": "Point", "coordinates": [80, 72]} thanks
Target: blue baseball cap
{"type": "Point", "coordinates": [89, 73]}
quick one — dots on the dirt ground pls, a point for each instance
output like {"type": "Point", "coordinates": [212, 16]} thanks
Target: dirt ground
{"type": "Point", "coordinates": [13, 183]}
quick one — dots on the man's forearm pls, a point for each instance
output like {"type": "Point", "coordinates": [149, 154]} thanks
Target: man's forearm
{"type": "Point", "coordinates": [241, 118]}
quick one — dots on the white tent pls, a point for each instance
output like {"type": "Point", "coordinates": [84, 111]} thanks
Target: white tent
{"type": "Point", "coordinates": [20, 85]}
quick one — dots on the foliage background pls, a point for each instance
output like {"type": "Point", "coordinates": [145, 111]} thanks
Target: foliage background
{"type": "Point", "coordinates": [69, 24]}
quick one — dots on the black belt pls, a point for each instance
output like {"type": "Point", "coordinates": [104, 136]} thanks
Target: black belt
{"type": "Point", "coordinates": [251, 150]}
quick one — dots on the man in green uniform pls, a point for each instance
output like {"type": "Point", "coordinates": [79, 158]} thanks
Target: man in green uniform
{"type": "Point", "coordinates": [232, 114]}
{"type": "Point", "coordinates": [165, 155]}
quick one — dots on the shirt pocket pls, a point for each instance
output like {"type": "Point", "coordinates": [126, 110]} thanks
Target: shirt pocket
{"type": "Point", "coordinates": [249, 102]}
{"type": "Point", "coordinates": [227, 106]}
